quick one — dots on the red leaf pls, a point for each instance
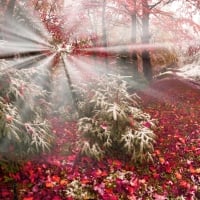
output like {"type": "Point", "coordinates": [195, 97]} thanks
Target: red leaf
{"type": "Point", "coordinates": [157, 152]}
{"type": "Point", "coordinates": [117, 163]}
{"type": "Point", "coordinates": [130, 189]}
{"type": "Point", "coordinates": [85, 180]}
{"type": "Point", "coordinates": [5, 193]}
{"type": "Point", "coordinates": [55, 178]}
{"type": "Point", "coordinates": [178, 175]}
{"type": "Point", "coordinates": [56, 198]}
{"type": "Point", "coordinates": [161, 160]}
{"type": "Point", "coordinates": [168, 169]}
{"type": "Point", "coordinates": [184, 184]}
{"type": "Point", "coordinates": [28, 198]}
{"type": "Point", "coordinates": [182, 140]}
{"type": "Point", "coordinates": [97, 173]}
{"type": "Point", "coordinates": [156, 175]}
{"type": "Point", "coordinates": [49, 185]}
{"type": "Point", "coordinates": [63, 182]}
{"type": "Point", "coordinates": [147, 124]}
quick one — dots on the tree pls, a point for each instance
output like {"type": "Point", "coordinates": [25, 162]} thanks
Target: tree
{"type": "Point", "coordinates": [147, 68]}
{"type": "Point", "coordinates": [195, 3]}
{"type": "Point", "coordinates": [10, 8]}
{"type": "Point", "coordinates": [8, 15]}
{"type": "Point", "coordinates": [104, 29]}
{"type": "Point", "coordinates": [177, 29]}
{"type": "Point", "coordinates": [130, 8]}
{"type": "Point", "coordinates": [147, 12]}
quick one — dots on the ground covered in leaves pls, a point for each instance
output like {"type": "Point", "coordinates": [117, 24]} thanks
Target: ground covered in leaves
{"type": "Point", "coordinates": [175, 173]}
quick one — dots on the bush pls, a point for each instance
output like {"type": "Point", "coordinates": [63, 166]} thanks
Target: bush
{"type": "Point", "coordinates": [23, 128]}
{"type": "Point", "coordinates": [113, 123]}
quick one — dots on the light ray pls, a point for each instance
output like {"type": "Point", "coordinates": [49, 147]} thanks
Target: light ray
{"type": "Point", "coordinates": [44, 62]}
{"type": "Point", "coordinates": [21, 34]}
{"type": "Point", "coordinates": [62, 80]}
{"type": "Point", "coordinates": [34, 21]}
{"type": "Point", "coordinates": [25, 34]}
{"type": "Point", "coordinates": [125, 48]}
{"type": "Point", "coordinates": [74, 73]}
{"type": "Point", "coordinates": [14, 63]}
{"type": "Point", "coordinates": [37, 62]}
{"type": "Point", "coordinates": [89, 66]}
{"type": "Point", "coordinates": [14, 29]}
{"type": "Point", "coordinates": [157, 94]}
{"type": "Point", "coordinates": [17, 47]}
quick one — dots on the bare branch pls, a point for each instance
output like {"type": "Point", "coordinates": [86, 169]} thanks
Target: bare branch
{"type": "Point", "coordinates": [169, 1]}
{"type": "Point", "coordinates": [154, 5]}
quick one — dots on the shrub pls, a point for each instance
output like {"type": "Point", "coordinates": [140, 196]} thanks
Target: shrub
{"type": "Point", "coordinates": [23, 128]}
{"type": "Point", "coordinates": [115, 124]}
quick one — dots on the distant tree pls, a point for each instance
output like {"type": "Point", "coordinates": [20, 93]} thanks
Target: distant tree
{"type": "Point", "coordinates": [150, 14]}
{"type": "Point", "coordinates": [139, 12]}
{"type": "Point", "coordinates": [131, 8]}
{"type": "Point", "coordinates": [10, 8]}
{"type": "Point", "coordinates": [104, 28]}
{"type": "Point", "coordinates": [195, 3]}
{"type": "Point", "coordinates": [147, 68]}
{"type": "Point", "coordinates": [8, 13]}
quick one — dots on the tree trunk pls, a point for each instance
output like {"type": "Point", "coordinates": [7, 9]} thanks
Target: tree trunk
{"type": "Point", "coordinates": [10, 9]}
{"type": "Point", "coordinates": [147, 68]}
{"type": "Point", "coordinates": [104, 31]}
{"type": "Point", "coordinates": [94, 43]}
{"type": "Point", "coordinates": [133, 39]}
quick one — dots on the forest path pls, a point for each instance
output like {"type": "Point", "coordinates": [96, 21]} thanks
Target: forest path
{"type": "Point", "coordinates": [175, 102]}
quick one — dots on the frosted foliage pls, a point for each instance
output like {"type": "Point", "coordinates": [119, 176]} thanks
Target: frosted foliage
{"type": "Point", "coordinates": [23, 128]}
{"type": "Point", "coordinates": [115, 123]}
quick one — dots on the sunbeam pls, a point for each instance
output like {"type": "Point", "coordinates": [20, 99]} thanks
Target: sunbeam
{"type": "Point", "coordinates": [45, 61]}
{"type": "Point", "coordinates": [14, 31]}
{"type": "Point", "coordinates": [8, 48]}
{"type": "Point", "coordinates": [125, 48]}
{"type": "Point", "coordinates": [25, 37]}
{"type": "Point", "coordinates": [158, 95]}
{"type": "Point", "coordinates": [89, 66]}
{"type": "Point", "coordinates": [27, 61]}
{"type": "Point", "coordinates": [71, 66]}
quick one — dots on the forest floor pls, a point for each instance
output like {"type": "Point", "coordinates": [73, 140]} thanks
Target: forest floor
{"type": "Point", "coordinates": [174, 174]}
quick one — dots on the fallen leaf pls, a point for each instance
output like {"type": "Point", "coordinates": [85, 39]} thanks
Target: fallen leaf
{"type": "Point", "coordinates": [55, 178]}
{"type": "Point", "coordinates": [192, 170]}
{"type": "Point", "coordinates": [184, 184]}
{"type": "Point", "coordinates": [161, 160]}
{"type": "Point", "coordinates": [63, 182]}
{"type": "Point", "coordinates": [198, 170]}
{"type": "Point", "coordinates": [28, 198]}
{"type": "Point", "coordinates": [178, 175]}
{"type": "Point", "coordinates": [49, 184]}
